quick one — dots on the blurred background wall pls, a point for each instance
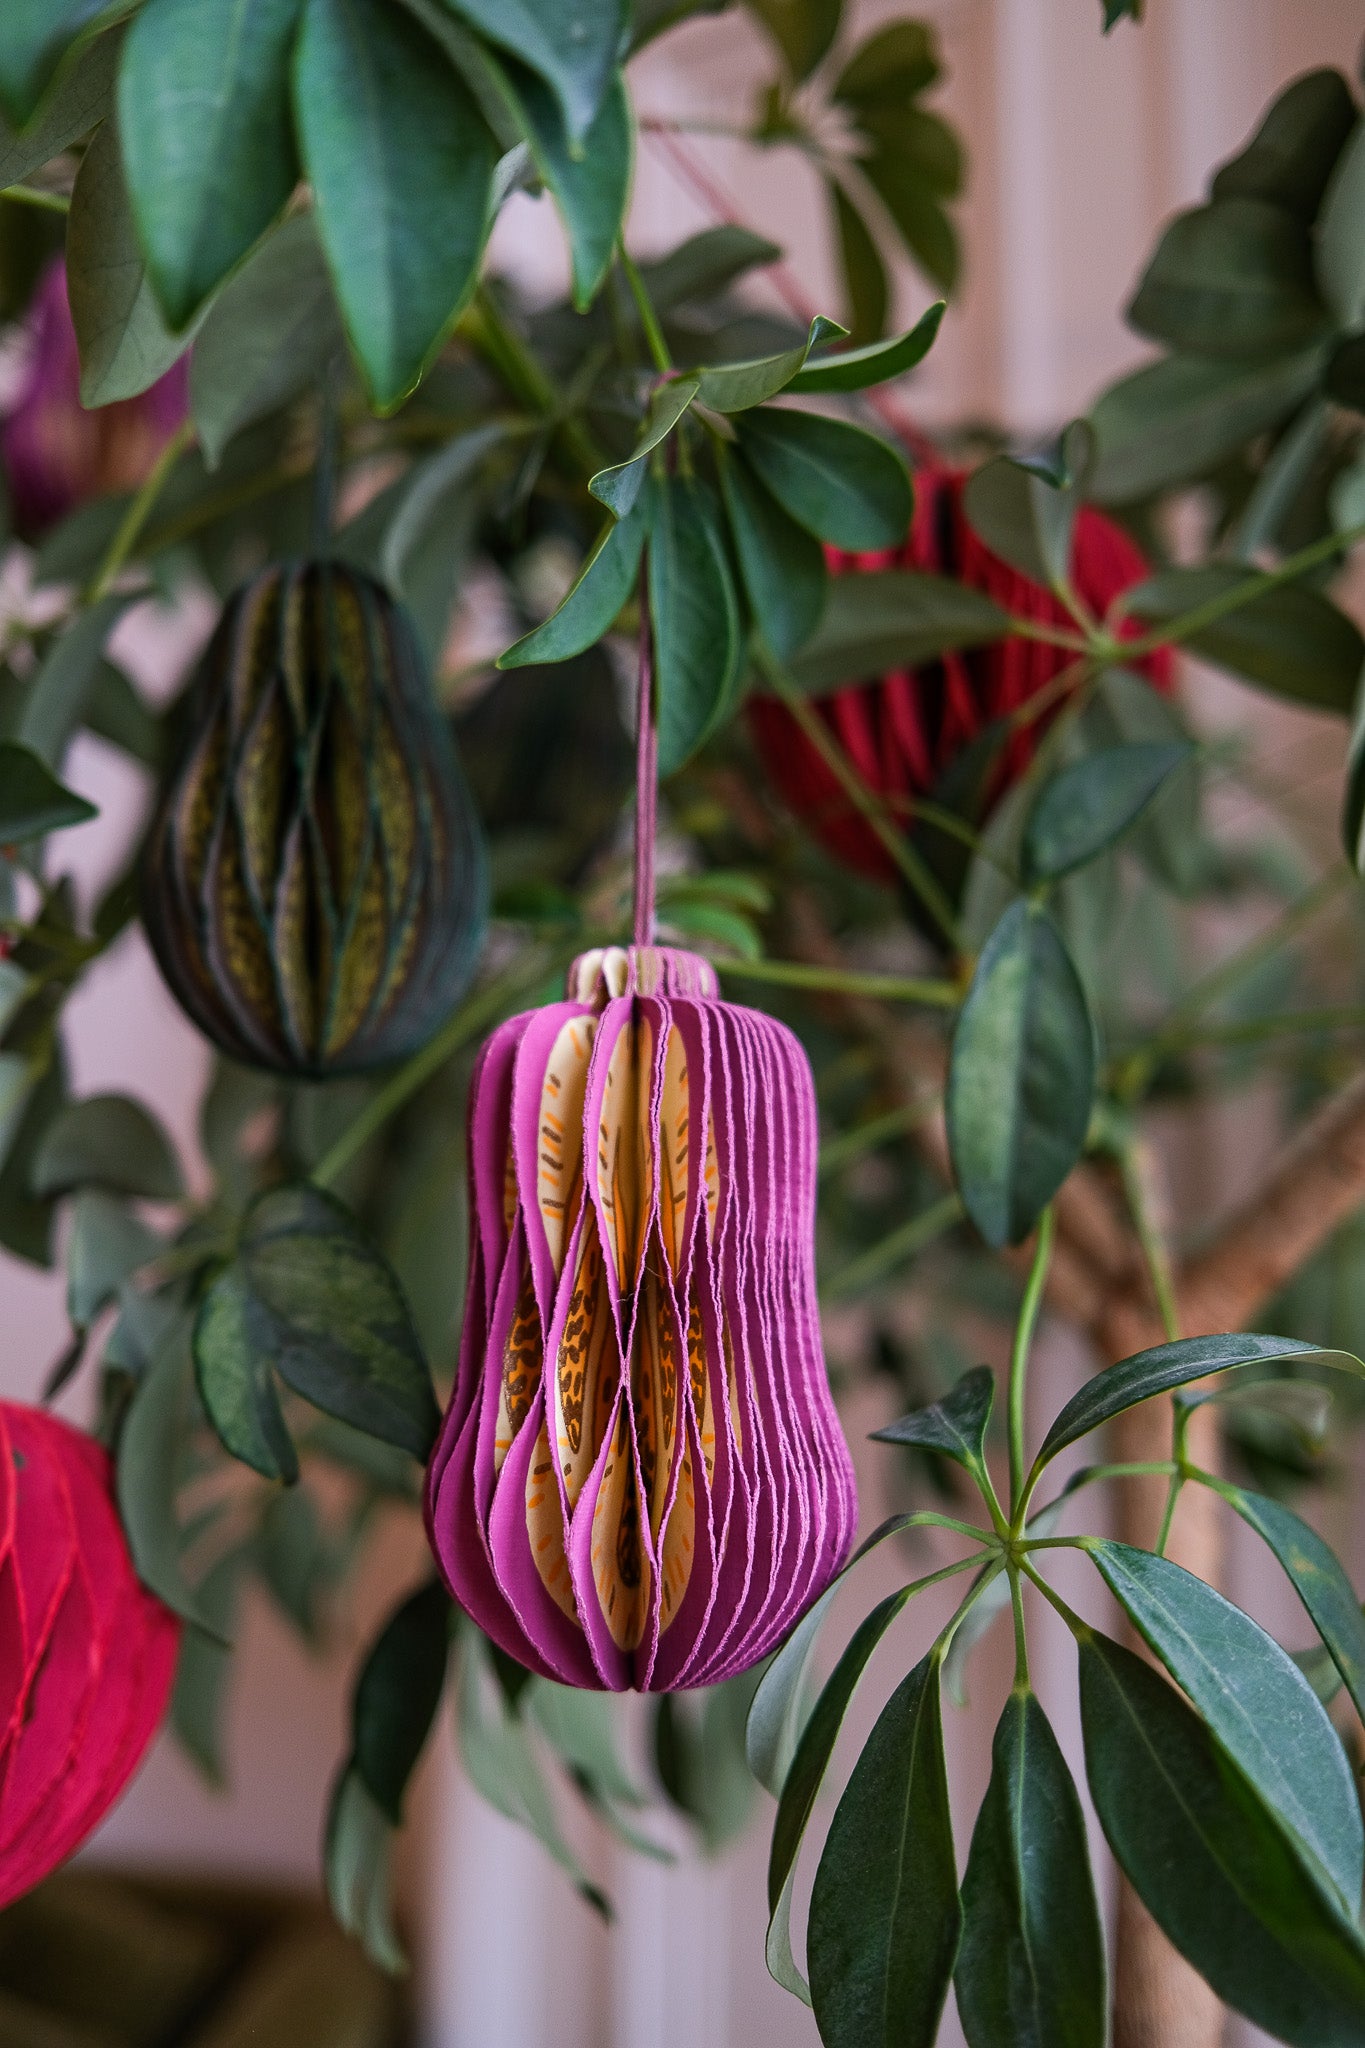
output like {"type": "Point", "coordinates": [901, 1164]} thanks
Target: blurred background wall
{"type": "Point", "coordinates": [1079, 146]}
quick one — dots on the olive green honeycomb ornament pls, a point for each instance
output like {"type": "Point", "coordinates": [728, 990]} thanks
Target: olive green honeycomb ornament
{"type": "Point", "coordinates": [315, 886]}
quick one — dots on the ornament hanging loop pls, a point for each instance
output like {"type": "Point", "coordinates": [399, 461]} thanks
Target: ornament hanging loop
{"type": "Point", "coordinates": [646, 772]}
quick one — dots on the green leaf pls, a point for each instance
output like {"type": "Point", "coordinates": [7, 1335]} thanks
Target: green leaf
{"type": "Point", "coordinates": [699, 1756]}
{"type": "Point", "coordinates": [806, 1773]}
{"type": "Point", "coordinates": [108, 1141]}
{"type": "Point", "coordinates": [891, 68]}
{"type": "Point", "coordinates": [572, 44]}
{"type": "Point", "coordinates": [1289, 639]}
{"type": "Point", "coordinates": [1231, 279]}
{"type": "Point", "coordinates": [236, 1380]}
{"type": "Point", "coordinates": [620, 486]}
{"type": "Point", "coordinates": [203, 1669]}
{"type": "Point", "coordinates": [1025, 512]}
{"type": "Point", "coordinates": [581, 1727]}
{"type": "Point", "coordinates": [783, 566]}
{"type": "Point", "coordinates": [59, 690]}
{"type": "Point", "coordinates": [392, 139]}
{"type": "Point", "coordinates": [1210, 1862]}
{"type": "Point", "coordinates": [1088, 805]}
{"type": "Point", "coordinates": [125, 345]}
{"type": "Point", "coordinates": [38, 34]}
{"type": "Point", "coordinates": [602, 586]}
{"type": "Point", "coordinates": [311, 1294]}
{"type": "Point", "coordinates": [1030, 1971]}
{"type": "Point", "coordinates": [803, 30]}
{"type": "Point", "coordinates": [892, 618]}
{"type": "Point", "coordinates": [911, 194]}
{"type": "Point", "coordinates": [956, 1425]}
{"type": "Point", "coordinates": [884, 1913]}
{"type": "Point", "coordinates": [149, 1453]}
{"type": "Point", "coordinates": [856, 369]}
{"type": "Point", "coordinates": [1021, 1078]}
{"type": "Point", "coordinates": [117, 712]}
{"type": "Point", "coordinates": [1318, 1579]}
{"type": "Point", "coordinates": [106, 1244]}
{"type": "Point", "coordinates": [1167, 837]}
{"type": "Point", "coordinates": [208, 152]}
{"type": "Point", "coordinates": [397, 1694]}
{"type": "Point", "coordinates": [82, 97]}
{"type": "Point", "coordinates": [591, 186]}
{"type": "Point", "coordinates": [993, 1601]}
{"type": "Point", "coordinates": [358, 1866]}
{"type": "Point", "coordinates": [270, 334]}
{"type": "Point", "coordinates": [1177, 419]}
{"type": "Point", "coordinates": [32, 801]}
{"type": "Point", "coordinates": [1341, 234]}
{"type": "Point", "coordinates": [842, 484]}
{"type": "Point", "coordinates": [705, 265]}
{"type": "Point", "coordinates": [866, 284]}
{"type": "Point", "coordinates": [1290, 157]}
{"type": "Point", "coordinates": [695, 618]}
{"type": "Point", "coordinates": [1257, 1703]}
{"type": "Point", "coordinates": [736, 387]}
{"type": "Point", "coordinates": [1165, 1367]}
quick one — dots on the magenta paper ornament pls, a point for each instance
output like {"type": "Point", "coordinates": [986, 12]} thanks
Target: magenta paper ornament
{"type": "Point", "coordinates": [641, 1480]}
{"type": "Point", "coordinates": [87, 1655]}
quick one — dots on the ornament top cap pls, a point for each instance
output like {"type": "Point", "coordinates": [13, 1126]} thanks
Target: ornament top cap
{"type": "Point", "coordinates": [613, 971]}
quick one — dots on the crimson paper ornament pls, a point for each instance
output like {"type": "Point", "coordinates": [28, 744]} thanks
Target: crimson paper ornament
{"type": "Point", "coordinates": [641, 1480]}
{"type": "Point", "coordinates": [87, 1655]}
{"type": "Point", "coordinates": [904, 730]}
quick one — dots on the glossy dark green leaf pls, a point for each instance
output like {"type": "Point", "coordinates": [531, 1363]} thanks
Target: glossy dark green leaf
{"type": "Point", "coordinates": [783, 566]}
{"type": "Point", "coordinates": [1021, 1077]}
{"type": "Point", "coordinates": [391, 138]}
{"type": "Point", "coordinates": [892, 67]}
{"type": "Point", "coordinates": [59, 691]}
{"type": "Point", "coordinates": [1299, 138]}
{"type": "Point", "coordinates": [956, 1425]}
{"type": "Point", "coordinates": [1210, 1862]}
{"type": "Point", "coordinates": [150, 1450]}
{"type": "Point", "coordinates": [1025, 512]}
{"type": "Point", "coordinates": [125, 344]}
{"type": "Point", "coordinates": [235, 1375]}
{"type": "Point", "coordinates": [37, 35]}
{"type": "Point", "coordinates": [208, 169]}
{"type": "Point", "coordinates": [736, 387]}
{"type": "Point", "coordinates": [602, 586]}
{"type": "Point", "coordinates": [1291, 640]}
{"type": "Point", "coordinates": [1030, 1971]}
{"type": "Point", "coordinates": [911, 191]}
{"type": "Point", "coordinates": [397, 1694]}
{"type": "Point", "coordinates": [1165, 1367]}
{"type": "Point", "coordinates": [805, 1774]}
{"type": "Point", "coordinates": [1257, 1703]}
{"type": "Point", "coordinates": [32, 801]}
{"type": "Point", "coordinates": [309, 1292]}
{"type": "Point", "coordinates": [1177, 419]}
{"type": "Point", "coordinates": [1340, 247]}
{"type": "Point", "coordinates": [82, 96]}
{"type": "Point", "coordinates": [1317, 1577]}
{"type": "Point", "coordinates": [705, 265]}
{"type": "Point", "coordinates": [695, 618]}
{"type": "Point", "coordinates": [108, 1141]}
{"type": "Point", "coordinates": [842, 484]}
{"type": "Point", "coordinates": [1231, 279]}
{"type": "Point", "coordinates": [357, 1861]}
{"type": "Point", "coordinates": [856, 369]}
{"type": "Point", "coordinates": [270, 334]}
{"type": "Point", "coordinates": [802, 29]}
{"type": "Point", "coordinates": [591, 185]}
{"type": "Point", "coordinates": [866, 284]}
{"type": "Point", "coordinates": [1093, 802]}
{"type": "Point", "coordinates": [884, 1915]}
{"type": "Point", "coordinates": [106, 1244]}
{"type": "Point", "coordinates": [620, 486]}
{"type": "Point", "coordinates": [1167, 837]}
{"type": "Point", "coordinates": [572, 44]}
{"type": "Point", "coordinates": [892, 618]}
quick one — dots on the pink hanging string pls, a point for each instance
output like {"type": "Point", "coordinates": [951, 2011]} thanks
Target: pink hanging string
{"type": "Point", "coordinates": [646, 773]}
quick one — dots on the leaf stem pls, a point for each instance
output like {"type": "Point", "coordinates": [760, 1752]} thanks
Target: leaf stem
{"type": "Point", "coordinates": [491, 334]}
{"type": "Point", "coordinates": [649, 319]}
{"type": "Point", "coordinates": [1229, 601]}
{"type": "Point", "coordinates": [1020, 1637]}
{"type": "Point", "coordinates": [29, 195]}
{"type": "Point", "coordinates": [1019, 1352]}
{"type": "Point", "coordinates": [887, 988]}
{"type": "Point", "coordinates": [140, 505]}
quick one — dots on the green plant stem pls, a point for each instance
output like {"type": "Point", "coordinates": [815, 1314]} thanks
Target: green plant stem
{"type": "Point", "coordinates": [990, 1571]}
{"type": "Point", "coordinates": [1020, 1637]}
{"type": "Point", "coordinates": [1153, 1247]}
{"type": "Point", "coordinates": [930, 1518]}
{"type": "Point", "coordinates": [1019, 1351]}
{"type": "Point", "coordinates": [473, 1015]}
{"type": "Point", "coordinates": [887, 988]}
{"type": "Point", "coordinates": [1222, 607]}
{"type": "Point", "coordinates": [649, 319]}
{"type": "Point", "coordinates": [29, 195]}
{"type": "Point", "coordinates": [900, 1244]}
{"type": "Point", "coordinates": [1080, 1629]}
{"type": "Point", "coordinates": [489, 332]}
{"type": "Point", "coordinates": [139, 509]}
{"type": "Point", "coordinates": [915, 869]}
{"type": "Point", "coordinates": [875, 1132]}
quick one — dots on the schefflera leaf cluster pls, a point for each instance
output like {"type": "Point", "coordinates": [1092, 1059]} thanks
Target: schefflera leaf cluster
{"type": "Point", "coordinates": [719, 519]}
{"type": "Point", "coordinates": [1226, 1797]}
